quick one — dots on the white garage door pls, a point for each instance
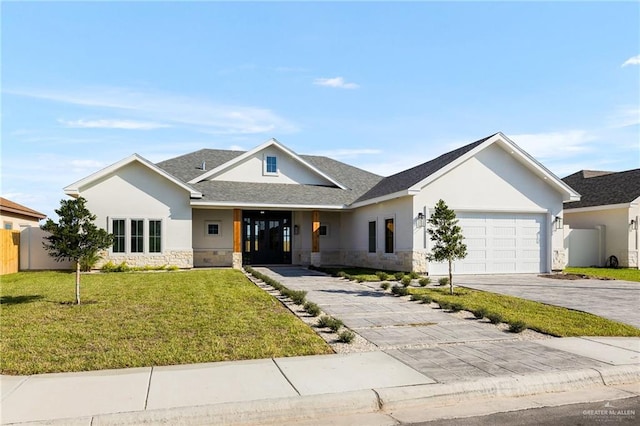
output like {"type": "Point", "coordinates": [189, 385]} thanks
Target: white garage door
{"type": "Point", "coordinates": [500, 243]}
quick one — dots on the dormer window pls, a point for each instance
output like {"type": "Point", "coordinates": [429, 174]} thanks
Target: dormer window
{"type": "Point", "coordinates": [270, 165]}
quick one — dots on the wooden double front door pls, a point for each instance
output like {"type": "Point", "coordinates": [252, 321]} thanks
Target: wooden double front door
{"type": "Point", "coordinates": [266, 237]}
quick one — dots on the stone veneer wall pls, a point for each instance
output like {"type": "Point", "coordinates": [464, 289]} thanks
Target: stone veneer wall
{"type": "Point", "coordinates": [213, 258]}
{"type": "Point", "coordinates": [181, 258]}
{"type": "Point", "coordinates": [559, 260]}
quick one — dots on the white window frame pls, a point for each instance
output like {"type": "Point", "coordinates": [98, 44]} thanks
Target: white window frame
{"type": "Point", "coordinates": [126, 229]}
{"type": "Point", "coordinates": [147, 235]}
{"type": "Point", "coordinates": [265, 172]}
{"type": "Point", "coordinates": [213, 222]}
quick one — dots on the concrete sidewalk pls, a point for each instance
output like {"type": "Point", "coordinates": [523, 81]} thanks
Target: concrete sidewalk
{"type": "Point", "coordinates": [277, 390]}
{"type": "Point", "coordinates": [425, 357]}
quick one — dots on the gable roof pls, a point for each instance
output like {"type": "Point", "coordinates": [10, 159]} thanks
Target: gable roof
{"type": "Point", "coordinates": [8, 206]}
{"type": "Point", "coordinates": [353, 181]}
{"type": "Point", "coordinates": [270, 143]}
{"type": "Point", "coordinates": [412, 180]}
{"type": "Point", "coordinates": [74, 188]}
{"type": "Point", "coordinates": [408, 178]}
{"type": "Point", "coordinates": [604, 188]}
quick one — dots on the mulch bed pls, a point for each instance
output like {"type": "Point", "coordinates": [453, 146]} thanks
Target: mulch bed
{"type": "Point", "coordinates": [562, 276]}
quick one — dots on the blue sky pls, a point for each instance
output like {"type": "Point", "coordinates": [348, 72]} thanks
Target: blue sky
{"type": "Point", "coordinates": [383, 86]}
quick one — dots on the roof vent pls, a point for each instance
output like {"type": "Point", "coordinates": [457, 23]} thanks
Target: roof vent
{"type": "Point", "coordinates": [204, 165]}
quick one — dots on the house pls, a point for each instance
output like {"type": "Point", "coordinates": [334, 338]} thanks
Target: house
{"type": "Point", "coordinates": [15, 216]}
{"type": "Point", "coordinates": [604, 222]}
{"type": "Point", "coordinates": [271, 205]}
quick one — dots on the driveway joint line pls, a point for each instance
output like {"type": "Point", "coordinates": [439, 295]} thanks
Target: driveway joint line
{"type": "Point", "coordinates": [285, 377]}
{"type": "Point", "coordinates": [146, 399]}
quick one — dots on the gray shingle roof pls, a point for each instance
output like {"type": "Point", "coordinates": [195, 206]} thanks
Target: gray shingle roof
{"type": "Point", "coordinates": [361, 185]}
{"type": "Point", "coordinates": [408, 178]}
{"type": "Point", "coordinates": [187, 167]}
{"type": "Point", "coordinates": [603, 188]}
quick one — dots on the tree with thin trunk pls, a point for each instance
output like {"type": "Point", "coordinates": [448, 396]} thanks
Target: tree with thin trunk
{"type": "Point", "coordinates": [75, 236]}
{"type": "Point", "coordinates": [447, 238]}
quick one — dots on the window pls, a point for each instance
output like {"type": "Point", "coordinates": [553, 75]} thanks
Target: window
{"type": "Point", "coordinates": [137, 236]}
{"type": "Point", "coordinates": [388, 235]}
{"type": "Point", "coordinates": [270, 165]}
{"type": "Point", "coordinates": [323, 231]}
{"type": "Point", "coordinates": [117, 226]}
{"type": "Point", "coordinates": [372, 236]}
{"type": "Point", "coordinates": [8, 226]}
{"type": "Point", "coordinates": [155, 236]}
{"type": "Point", "coordinates": [213, 229]}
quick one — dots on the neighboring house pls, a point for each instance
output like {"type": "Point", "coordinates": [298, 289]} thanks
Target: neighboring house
{"type": "Point", "coordinates": [15, 216]}
{"type": "Point", "coordinates": [610, 209]}
{"type": "Point", "coordinates": [271, 205]}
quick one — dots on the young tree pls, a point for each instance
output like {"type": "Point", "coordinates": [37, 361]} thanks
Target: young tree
{"type": "Point", "coordinates": [75, 236]}
{"type": "Point", "coordinates": [447, 237]}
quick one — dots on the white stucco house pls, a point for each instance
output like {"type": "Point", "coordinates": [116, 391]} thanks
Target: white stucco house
{"type": "Point", "coordinates": [604, 222]}
{"type": "Point", "coordinates": [271, 205]}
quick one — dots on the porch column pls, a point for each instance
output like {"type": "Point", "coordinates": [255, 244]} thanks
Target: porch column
{"type": "Point", "coordinates": [316, 258]}
{"type": "Point", "coordinates": [236, 260]}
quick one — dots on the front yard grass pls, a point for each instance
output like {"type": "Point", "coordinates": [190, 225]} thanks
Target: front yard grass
{"type": "Point", "coordinates": [143, 319]}
{"type": "Point", "coordinates": [553, 320]}
{"type": "Point", "coordinates": [616, 274]}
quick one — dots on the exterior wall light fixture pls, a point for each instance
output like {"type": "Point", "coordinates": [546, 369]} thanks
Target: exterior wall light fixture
{"type": "Point", "coordinates": [558, 222]}
{"type": "Point", "coordinates": [634, 224]}
{"type": "Point", "coordinates": [296, 229]}
{"type": "Point", "coordinates": [420, 220]}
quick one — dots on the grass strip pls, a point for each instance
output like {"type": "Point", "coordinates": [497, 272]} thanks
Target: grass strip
{"type": "Point", "coordinates": [553, 320]}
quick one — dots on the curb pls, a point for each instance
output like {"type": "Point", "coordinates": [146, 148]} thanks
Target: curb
{"type": "Point", "coordinates": [252, 412]}
{"type": "Point", "coordinates": [385, 400]}
{"type": "Point", "coordinates": [510, 386]}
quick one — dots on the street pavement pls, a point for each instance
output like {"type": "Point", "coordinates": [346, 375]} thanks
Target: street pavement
{"type": "Point", "coordinates": [613, 299]}
{"type": "Point", "coordinates": [423, 356]}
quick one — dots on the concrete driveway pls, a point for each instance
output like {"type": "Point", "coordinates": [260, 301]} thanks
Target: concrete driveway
{"type": "Point", "coordinates": [612, 299]}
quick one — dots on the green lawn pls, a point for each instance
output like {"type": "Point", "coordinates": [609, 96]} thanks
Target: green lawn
{"type": "Point", "coordinates": [547, 319]}
{"type": "Point", "coordinates": [142, 319]}
{"type": "Point", "coordinates": [616, 274]}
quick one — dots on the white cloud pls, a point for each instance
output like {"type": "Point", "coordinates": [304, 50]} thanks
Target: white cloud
{"type": "Point", "coordinates": [624, 117]}
{"type": "Point", "coordinates": [202, 114]}
{"type": "Point", "coordinates": [554, 145]}
{"type": "Point", "coordinates": [337, 82]}
{"type": "Point", "coordinates": [112, 124]}
{"type": "Point", "coordinates": [634, 60]}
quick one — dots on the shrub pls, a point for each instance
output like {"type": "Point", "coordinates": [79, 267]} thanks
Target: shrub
{"type": "Point", "coordinates": [457, 307]}
{"type": "Point", "coordinates": [426, 298]}
{"type": "Point", "coordinates": [172, 268]}
{"type": "Point", "coordinates": [445, 305]}
{"type": "Point", "coordinates": [89, 261]}
{"type": "Point", "coordinates": [312, 309]}
{"type": "Point", "coordinates": [443, 281]}
{"type": "Point", "coordinates": [342, 274]}
{"type": "Point", "coordinates": [494, 318]}
{"type": "Point", "coordinates": [346, 336]}
{"type": "Point", "coordinates": [385, 286]}
{"type": "Point", "coordinates": [297, 296]}
{"type": "Point", "coordinates": [349, 277]}
{"type": "Point", "coordinates": [382, 276]}
{"type": "Point", "coordinates": [399, 291]}
{"type": "Point", "coordinates": [517, 326]}
{"type": "Point", "coordinates": [416, 297]}
{"type": "Point", "coordinates": [326, 321]}
{"type": "Point", "coordinates": [335, 324]}
{"type": "Point", "coordinates": [424, 281]}
{"type": "Point", "coordinates": [108, 267]}
{"type": "Point", "coordinates": [480, 313]}
{"type": "Point", "coordinates": [414, 275]}
{"type": "Point", "coordinates": [406, 280]}
{"type": "Point", "coordinates": [398, 275]}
